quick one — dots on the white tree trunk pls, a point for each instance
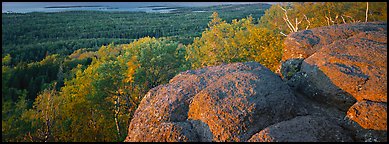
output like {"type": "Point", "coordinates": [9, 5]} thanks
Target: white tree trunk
{"type": "Point", "coordinates": [367, 10]}
{"type": "Point", "coordinates": [288, 23]}
{"type": "Point", "coordinates": [117, 115]}
{"type": "Point", "coordinates": [343, 19]}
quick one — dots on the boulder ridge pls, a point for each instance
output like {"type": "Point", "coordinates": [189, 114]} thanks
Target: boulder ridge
{"type": "Point", "coordinates": [332, 88]}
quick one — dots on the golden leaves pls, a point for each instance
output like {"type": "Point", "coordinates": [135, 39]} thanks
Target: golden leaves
{"type": "Point", "coordinates": [236, 42]}
{"type": "Point", "coordinates": [132, 66]}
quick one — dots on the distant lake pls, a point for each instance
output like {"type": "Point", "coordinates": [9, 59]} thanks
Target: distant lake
{"type": "Point", "coordinates": [25, 7]}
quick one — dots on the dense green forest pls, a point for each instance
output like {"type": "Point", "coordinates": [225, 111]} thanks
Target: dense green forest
{"type": "Point", "coordinates": [29, 37]}
{"type": "Point", "coordinates": [79, 76]}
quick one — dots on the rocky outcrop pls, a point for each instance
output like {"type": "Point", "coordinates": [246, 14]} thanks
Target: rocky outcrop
{"type": "Point", "coordinates": [357, 65]}
{"type": "Point", "coordinates": [353, 58]}
{"type": "Point", "coordinates": [304, 43]}
{"type": "Point", "coordinates": [333, 88]}
{"type": "Point", "coordinates": [233, 101]}
{"type": "Point", "coordinates": [342, 66]}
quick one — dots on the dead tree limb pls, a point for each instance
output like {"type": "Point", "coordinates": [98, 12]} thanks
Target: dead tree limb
{"type": "Point", "coordinates": [328, 21]}
{"type": "Point", "coordinates": [283, 34]}
{"type": "Point", "coordinates": [309, 23]}
{"type": "Point", "coordinates": [351, 18]}
{"type": "Point", "coordinates": [297, 23]}
{"type": "Point", "coordinates": [367, 10]}
{"type": "Point", "coordinates": [343, 19]}
{"type": "Point", "coordinates": [293, 28]}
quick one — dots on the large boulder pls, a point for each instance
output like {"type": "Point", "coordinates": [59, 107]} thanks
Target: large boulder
{"type": "Point", "coordinates": [304, 43]}
{"type": "Point", "coordinates": [219, 103]}
{"type": "Point", "coordinates": [356, 65]}
{"type": "Point", "coordinates": [348, 63]}
{"type": "Point", "coordinates": [342, 66]}
{"type": "Point", "coordinates": [303, 129]}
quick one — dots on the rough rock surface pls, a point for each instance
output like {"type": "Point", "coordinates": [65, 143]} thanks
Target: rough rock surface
{"type": "Point", "coordinates": [353, 61]}
{"type": "Point", "coordinates": [174, 132]}
{"type": "Point", "coordinates": [342, 65]}
{"type": "Point", "coordinates": [290, 67]}
{"type": "Point", "coordinates": [303, 128]}
{"type": "Point", "coordinates": [360, 134]}
{"type": "Point", "coordinates": [352, 56]}
{"type": "Point", "coordinates": [303, 44]}
{"type": "Point", "coordinates": [234, 101]}
{"type": "Point", "coordinates": [370, 115]}
{"type": "Point", "coordinates": [357, 65]}
{"type": "Point", "coordinates": [351, 67]}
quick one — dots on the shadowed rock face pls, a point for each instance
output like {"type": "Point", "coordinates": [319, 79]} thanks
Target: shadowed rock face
{"type": "Point", "coordinates": [233, 101]}
{"type": "Point", "coordinates": [334, 89]}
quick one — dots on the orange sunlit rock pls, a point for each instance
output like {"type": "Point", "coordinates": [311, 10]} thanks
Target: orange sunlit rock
{"type": "Point", "coordinates": [369, 115]}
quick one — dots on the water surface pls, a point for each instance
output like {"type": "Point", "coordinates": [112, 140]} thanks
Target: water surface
{"type": "Point", "coordinates": [25, 7]}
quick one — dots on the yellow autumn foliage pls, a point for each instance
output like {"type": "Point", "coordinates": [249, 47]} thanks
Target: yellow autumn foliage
{"type": "Point", "coordinates": [132, 66]}
{"type": "Point", "coordinates": [238, 41]}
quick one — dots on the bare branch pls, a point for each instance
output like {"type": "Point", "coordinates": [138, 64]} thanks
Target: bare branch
{"type": "Point", "coordinates": [298, 24]}
{"type": "Point", "coordinates": [336, 18]}
{"type": "Point", "coordinates": [343, 19]}
{"type": "Point", "coordinates": [287, 21]}
{"type": "Point", "coordinates": [328, 21]}
{"type": "Point", "coordinates": [333, 22]}
{"type": "Point", "coordinates": [296, 28]}
{"type": "Point", "coordinates": [367, 10]}
{"type": "Point", "coordinates": [309, 23]}
{"type": "Point", "coordinates": [282, 8]}
{"type": "Point", "coordinates": [283, 34]}
{"type": "Point", "coordinates": [291, 29]}
{"type": "Point", "coordinates": [350, 18]}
